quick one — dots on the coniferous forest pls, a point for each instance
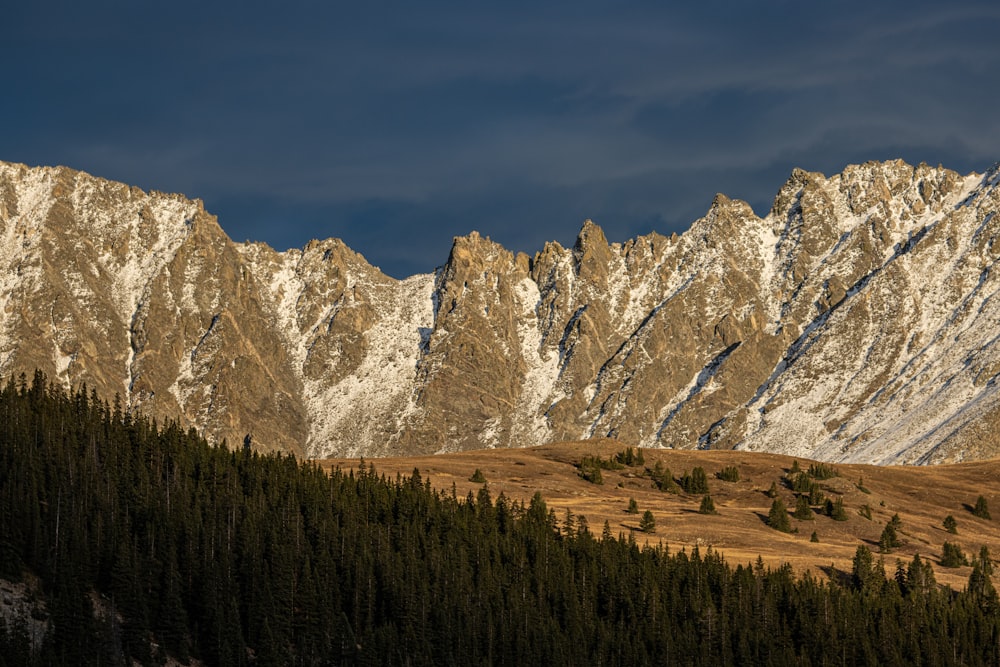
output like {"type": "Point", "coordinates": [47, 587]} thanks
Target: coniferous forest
{"type": "Point", "coordinates": [144, 542]}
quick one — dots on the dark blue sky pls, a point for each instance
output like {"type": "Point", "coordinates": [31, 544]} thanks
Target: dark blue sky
{"type": "Point", "coordinates": [398, 125]}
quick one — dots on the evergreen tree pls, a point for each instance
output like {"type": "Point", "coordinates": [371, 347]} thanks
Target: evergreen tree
{"type": "Point", "coordinates": [985, 561]}
{"type": "Point", "coordinates": [950, 524]}
{"type": "Point", "coordinates": [919, 577]}
{"type": "Point", "coordinates": [606, 532]}
{"type": "Point", "coordinates": [663, 478]}
{"type": "Point", "coordinates": [889, 539]}
{"type": "Point", "coordinates": [981, 508]}
{"type": "Point", "coordinates": [696, 482]}
{"type": "Point", "coordinates": [866, 575]}
{"type": "Point", "coordinates": [802, 510]}
{"type": "Point", "coordinates": [822, 471]}
{"type": "Point", "coordinates": [777, 517]}
{"type": "Point", "coordinates": [729, 474]}
{"type": "Point", "coordinates": [980, 585]}
{"type": "Point", "coordinates": [569, 523]}
{"type": "Point", "coordinates": [633, 506]}
{"type": "Point", "coordinates": [478, 477]}
{"type": "Point", "coordinates": [648, 522]}
{"type": "Point", "coordinates": [590, 470]}
{"type": "Point", "coordinates": [835, 509]}
{"type": "Point", "coordinates": [707, 505]}
{"type": "Point", "coordinates": [952, 556]}
{"type": "Point", "coordinates": [239, 558]}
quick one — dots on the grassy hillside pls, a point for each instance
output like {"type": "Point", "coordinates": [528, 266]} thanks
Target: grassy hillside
{"type": "Point", "coordinates": [921, 496]}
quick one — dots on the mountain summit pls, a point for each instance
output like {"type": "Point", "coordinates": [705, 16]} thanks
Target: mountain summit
{"type": "Point", "coordinates": [857, 321]}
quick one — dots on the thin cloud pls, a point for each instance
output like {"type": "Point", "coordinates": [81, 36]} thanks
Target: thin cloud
{"type": "Point", "coordinates": [397, 126]}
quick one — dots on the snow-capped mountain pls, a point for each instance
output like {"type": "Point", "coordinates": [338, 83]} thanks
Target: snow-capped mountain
{"type": "Point", "coordinates": [857, 321]}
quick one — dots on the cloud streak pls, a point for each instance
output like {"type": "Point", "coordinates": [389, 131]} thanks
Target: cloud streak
{"type": "Point", "coordinates": [396, 126]}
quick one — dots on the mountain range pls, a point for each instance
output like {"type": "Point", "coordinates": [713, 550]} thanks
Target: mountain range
{"type": "Point", "coordinates": [857, 321]}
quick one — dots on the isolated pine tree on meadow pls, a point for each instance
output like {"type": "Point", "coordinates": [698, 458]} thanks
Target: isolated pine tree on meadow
{"type": "Point", "coordinates": [982, 508]}
{"type": "Point", "coordinates": [777, 517]}
{"type": "Point", "coordinates": [648, 522]}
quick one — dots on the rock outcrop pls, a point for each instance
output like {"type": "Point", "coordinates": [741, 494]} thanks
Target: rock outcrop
{"type": "Point", "coordinates": [855, 321]}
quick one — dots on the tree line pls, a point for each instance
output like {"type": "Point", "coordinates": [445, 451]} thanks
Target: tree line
{"type": "Point", "coordinates": [144, 541]}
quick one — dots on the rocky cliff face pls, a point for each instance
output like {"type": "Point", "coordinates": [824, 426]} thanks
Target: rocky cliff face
{"type": "Point", "coordinates": [856, 321]}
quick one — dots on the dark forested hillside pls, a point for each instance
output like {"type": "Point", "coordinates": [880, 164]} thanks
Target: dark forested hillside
{"type": "Point", "coordinates": [141, 542]}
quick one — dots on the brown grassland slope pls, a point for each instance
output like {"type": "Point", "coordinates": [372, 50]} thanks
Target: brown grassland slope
{"type": "Point", "coordinates": [921, 496]}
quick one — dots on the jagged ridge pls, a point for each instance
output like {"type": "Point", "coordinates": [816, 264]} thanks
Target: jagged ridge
{"type": "Point", "coordinates": [854, 322]}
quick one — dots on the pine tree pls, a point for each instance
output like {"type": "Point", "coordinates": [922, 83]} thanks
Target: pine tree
{"type": "Point", "coordinates": [980, 585]}
{"type": "Point", "coordinates": [985, 560]}
{"type": "Point", "coordinates": [663, 478]}
{"type": "Point", "coordinates": [569, 523]}
{"type": "Point", "coordinates": [633, 506]}
{"type": "Point", "coordinates": [648, 522]}
{"type": "Point", "coordinates": [889, 540]}
{"type": "Point", "coordinates": [777, 517]}
{"type": "Point", "coordinates": [982, 509]}
{"type": "Point", "coordinates": [729, 474]}
{"type": "Point", "coordinates": [952, 556]}
{"type": "Point", "coordinates": [822, 471]}
{"type": "Point", "coordinates": [835, 509]}
{"type": "Point", "coordinates": [707, 506]}
{"type": "Point", "coordinates": [478, 477]}
{"type": "Point", "coordinates": [866, 574]}
{"type": "Point", "coordinates": [802, 509]}
{"type": "Point", "coordinates": [950, 524]}
{"type": "Point", "coordinates": [920, 576]}
{"type": "Point", "coordinates": [696, 482]}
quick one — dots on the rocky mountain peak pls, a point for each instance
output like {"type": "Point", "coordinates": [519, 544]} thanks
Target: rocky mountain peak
{"type": "Point", "coordinates": [815, 331]}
